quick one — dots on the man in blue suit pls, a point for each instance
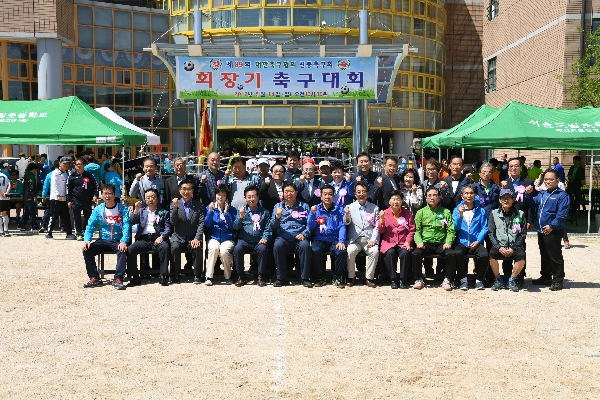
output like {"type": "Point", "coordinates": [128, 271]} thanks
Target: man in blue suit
{"type": "Point", "coordinates": [152, 234]}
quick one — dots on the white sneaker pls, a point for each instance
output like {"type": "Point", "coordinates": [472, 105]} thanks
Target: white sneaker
{"type": "Point", "coordinates": [446, 284]}
{"type": "Point", "coordinates": [208, 282]}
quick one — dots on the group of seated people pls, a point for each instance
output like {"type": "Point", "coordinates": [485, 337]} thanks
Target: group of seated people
{"type": "Point", "coordinates": [336, 214]}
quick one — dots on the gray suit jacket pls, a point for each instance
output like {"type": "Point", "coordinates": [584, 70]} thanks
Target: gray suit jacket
{"type": "Point", "coordinates": [187, 229]}
{"type": "Point", "coordinates": [358, 226]}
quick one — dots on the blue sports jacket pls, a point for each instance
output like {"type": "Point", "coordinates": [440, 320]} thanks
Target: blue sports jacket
{"type": "Point", "coordinates": [478, 229]}
{"type": "Point", "coordinates": [553, 208]}
{"type": "Point", "coordinates": [335, 229]}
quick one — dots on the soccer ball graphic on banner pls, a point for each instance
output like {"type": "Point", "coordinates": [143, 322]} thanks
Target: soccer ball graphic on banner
{"type": "Point", "coordinates": [188, 65]}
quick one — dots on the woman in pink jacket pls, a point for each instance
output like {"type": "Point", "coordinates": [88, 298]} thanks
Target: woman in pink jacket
{"type": "Point", "coordinates": [397, 229]}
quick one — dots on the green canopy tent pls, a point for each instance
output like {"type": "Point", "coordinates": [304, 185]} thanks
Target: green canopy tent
{"type": "Point", "coordinates": [479, 115]}
{"type": "Point", "coordinates": [523, 126]}
{"type": "Point", "coordinates": [526, 127]}
{"type": "Point", "coordinates": [64, 121]}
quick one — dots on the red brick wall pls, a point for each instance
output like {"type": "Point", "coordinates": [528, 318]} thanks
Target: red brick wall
{"type": "Point", "coordinates": [43, 16]}
{"type": "Point", "coordinates": [464, 74]}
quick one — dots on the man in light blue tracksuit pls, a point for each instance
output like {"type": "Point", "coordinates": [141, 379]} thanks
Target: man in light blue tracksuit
{"type": "Point", "coordinates": [471, 225]}
{"type": "Point", "coordinates": [553, 206]}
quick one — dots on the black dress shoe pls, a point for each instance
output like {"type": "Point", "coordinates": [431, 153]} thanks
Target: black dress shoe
{"type": "Point", "coordinates": [542, 281]}
{"type": "Point", "coordinates": [163, 280]}
{"type": "Point", "coordinates": [197, 280]}
{"type": "Point", "coordinates": [307, 284]}
{"type": "Point", "coordinates": [556, 287]}
{"type": "Point", "coordinates": [401, 285]}
{"type": "Point", "coordinates": [175, 279]}
{"type": "Point", "coordinates": [241, 281]}
{"type": "Point", "coordinates": [277, 283]}
{"type": "Point", "coordinates": [134, 282]}
{"type": "Point", "coordinates": [261, 282]}
{"type": "Point", "coordinates": [394, 285]}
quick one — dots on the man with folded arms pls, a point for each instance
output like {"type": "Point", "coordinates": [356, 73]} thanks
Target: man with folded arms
{"type": "Point", "coordinates": [253, 223]}
{"type": "Point", "coordinates": [152, 235]}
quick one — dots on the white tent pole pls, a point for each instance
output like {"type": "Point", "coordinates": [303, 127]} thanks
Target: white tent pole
{"type": "Point", "coordinates": [590, 192]}
{"type": "Point", "coordinates": [462, 155]}
{"type": "Point", "coordinates": [123, 173]}
{"type": "Point", "coordinates": [440, 155]}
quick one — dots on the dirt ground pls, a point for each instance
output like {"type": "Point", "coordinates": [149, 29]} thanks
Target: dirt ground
{"type": "Point", "coordinates": [188, 341]}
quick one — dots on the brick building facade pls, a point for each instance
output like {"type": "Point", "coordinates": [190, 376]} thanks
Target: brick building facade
{"type": "Point", "coordinates": [528, 45]}
{"type": "Point", "coordinates": [37, 19]}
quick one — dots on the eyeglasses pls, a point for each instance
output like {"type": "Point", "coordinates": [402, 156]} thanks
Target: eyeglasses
{"type": "Point", "coordinates": [430, 169]}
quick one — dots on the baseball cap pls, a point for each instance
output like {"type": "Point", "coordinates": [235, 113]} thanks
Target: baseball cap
{"type": "Point", "coordinates": [263, 161]}
{"type": "Point", "coordinates": [507, 191]}
{"type": "Point", "coordinates": [324, 164]}
{"type": "Point", "coordinates": [6, 164]}
{"type": "Point", "coordinates": [65, 159]}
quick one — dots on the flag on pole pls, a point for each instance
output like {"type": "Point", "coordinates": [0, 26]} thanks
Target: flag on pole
{"type": "Point", "coordinates": [205, 138]}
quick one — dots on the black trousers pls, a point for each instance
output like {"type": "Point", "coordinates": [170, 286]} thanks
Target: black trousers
{"type": "Point", "coordinates": [391, 261]}
{"type": "Point", "coordinates": [552, 262]}
{"type": "Point", "coordinates": [176, 250]}
{"type": "Point", "coordinates": [481, 261]}
{"type": "Point", "coordinates": [59, 210]}
{"type": "Point", "coordinates": [143, 245]}
{"type": "Point", "coordinates": [77, 210]}
{"type": "Point", "coordinates": [449, 255]}
{"type": "Point", "coordinates": [507, 265]}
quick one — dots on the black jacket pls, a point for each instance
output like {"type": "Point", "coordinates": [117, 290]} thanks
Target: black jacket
{"type": "Point", "coordinates": [81, 188]}
{"type": "Point", "coordinates": [172, 188]}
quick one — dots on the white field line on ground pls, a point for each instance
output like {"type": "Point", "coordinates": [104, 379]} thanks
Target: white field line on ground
{"type": "Point", "coordinates": [278, 338]}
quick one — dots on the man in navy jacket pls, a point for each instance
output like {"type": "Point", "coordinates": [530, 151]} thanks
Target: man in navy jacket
{"type": "Point", "coordinates": [553, 207]}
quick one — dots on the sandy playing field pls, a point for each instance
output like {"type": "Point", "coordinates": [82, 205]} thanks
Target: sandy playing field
{"type": "Point", "coordinates": [188, 341]}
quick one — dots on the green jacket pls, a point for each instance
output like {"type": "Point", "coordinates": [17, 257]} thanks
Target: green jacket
{"type": "Point", "coordinates": [429, 227]}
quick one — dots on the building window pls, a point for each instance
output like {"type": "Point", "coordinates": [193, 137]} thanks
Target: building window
{"type": "Point", "coordinates": [492, 9]}
{"type": "Point", "coordinates": [491, 76]}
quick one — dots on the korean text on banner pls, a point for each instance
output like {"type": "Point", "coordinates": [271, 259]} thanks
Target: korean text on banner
{"type": "Point", "coordinates": [279, 78]}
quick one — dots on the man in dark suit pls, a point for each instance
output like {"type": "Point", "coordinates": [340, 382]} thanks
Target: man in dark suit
{"type": "Point", "coordinates": [187, 219]}
{"type": "Point", "coordinates": [387, 182]}
{"type": "Point", "coordinates": [309, 187]}
{"type": "Point", "coordinates": [455, 183]}
{"type": "Point", "coordinates": [366, 175]}
{"type": "Point", "coordinates": [172, 182]}
{"type": "Point", "coordinates": [172, 190]}
{"type": "Point", "coordinates": [152, 234]}
{"type": "Point", "coordinates": [271, 191]}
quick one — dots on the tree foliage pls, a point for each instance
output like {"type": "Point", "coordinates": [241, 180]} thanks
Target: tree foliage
{"type": "Point", "coordinates": [585, 86]}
